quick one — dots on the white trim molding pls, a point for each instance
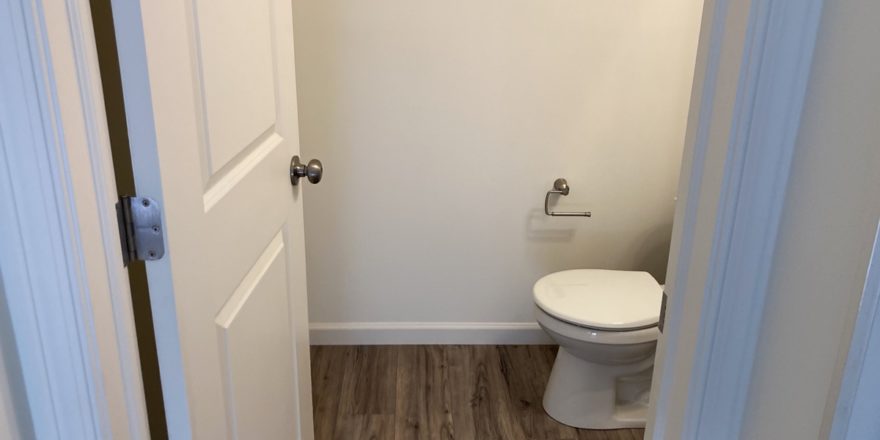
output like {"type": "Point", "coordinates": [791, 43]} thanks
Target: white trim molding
{"type": "Point", "coordinates": [406, 333]}
{"type": "Point", "coordinates": [778, 54]}
{"type": "Point", "coordinates": [43, 285]}
{"type": "Point", "coordinates": [750, 84]}
{"type": "Point", "coordinates": [65, 288]}
{"type": "Point", "coordinates": [855, 416]}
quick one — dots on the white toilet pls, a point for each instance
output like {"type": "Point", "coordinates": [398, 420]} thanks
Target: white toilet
{"type": "Point", "coordinates": [605, 322]}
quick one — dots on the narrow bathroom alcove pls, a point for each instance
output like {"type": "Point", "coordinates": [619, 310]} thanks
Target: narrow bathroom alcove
{"type": "Point", "coordinates": [442, 127]}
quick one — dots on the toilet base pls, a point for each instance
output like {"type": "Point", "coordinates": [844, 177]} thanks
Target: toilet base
{"type": "Point", "coordinates": [588, 395]}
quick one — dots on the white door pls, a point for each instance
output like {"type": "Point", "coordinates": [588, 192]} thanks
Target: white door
{"type": "Point", "coordinates": [211, 107]}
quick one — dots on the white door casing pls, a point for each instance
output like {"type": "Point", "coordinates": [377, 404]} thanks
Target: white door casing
{"type": "Point", "coordinates": [211, 107]}
{"type": "Point", "coordinates": [68, 343]}
{"type": "Point", "coordinates": [753, 63]}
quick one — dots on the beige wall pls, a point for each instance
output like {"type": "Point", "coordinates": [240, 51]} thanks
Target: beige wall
{"type": "Point", "coordinates": [441, 125]}
{"type": "Point", "coordinates": [830, 217]}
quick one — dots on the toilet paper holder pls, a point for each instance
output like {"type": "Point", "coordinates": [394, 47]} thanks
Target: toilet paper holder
{"type": "Point", "coordinates": [560, 186]}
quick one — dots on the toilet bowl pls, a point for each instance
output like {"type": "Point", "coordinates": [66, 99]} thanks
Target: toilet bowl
{"type": "Point", "coordinates": [605, 323]}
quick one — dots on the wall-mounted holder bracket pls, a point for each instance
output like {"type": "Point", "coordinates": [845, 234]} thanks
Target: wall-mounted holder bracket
{"type": "Point", "coordinates": [560, 186]}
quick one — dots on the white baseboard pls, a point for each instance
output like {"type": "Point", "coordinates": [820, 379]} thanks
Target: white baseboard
{"type": "Point", "coordinates": [440, 333]}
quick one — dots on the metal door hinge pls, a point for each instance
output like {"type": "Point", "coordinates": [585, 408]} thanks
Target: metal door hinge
{"type": "Point", "coordinates": [662, 320]}
{"type": "Point", "coordinates": [140, 229]}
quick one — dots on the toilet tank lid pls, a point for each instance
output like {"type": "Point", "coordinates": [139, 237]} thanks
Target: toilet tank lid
{"type": "Point", "coordinates": [601, 299]}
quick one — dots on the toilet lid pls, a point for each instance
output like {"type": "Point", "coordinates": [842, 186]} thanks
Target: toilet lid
{"type": "Point", "coordinates": [601, 299]}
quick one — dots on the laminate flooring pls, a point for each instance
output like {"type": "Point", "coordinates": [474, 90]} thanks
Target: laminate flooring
{"type": "Point", "coordinates": [442, 392]}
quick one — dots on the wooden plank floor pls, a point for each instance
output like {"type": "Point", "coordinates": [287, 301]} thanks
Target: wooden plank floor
{"type": "Point", "coordinates": [466, 392]}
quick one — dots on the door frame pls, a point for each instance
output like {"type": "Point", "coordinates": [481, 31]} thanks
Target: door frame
{"type": "Point", "coordinates": [66, 289]}
{"type": "Point", "coordinates": [753, 64]}
{"type": "Point", "coordinates": [88, 307]}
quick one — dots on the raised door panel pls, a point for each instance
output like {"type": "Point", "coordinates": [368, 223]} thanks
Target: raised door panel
{"type": "Point", "coordinates": [236, 76]}
{"type": "Point", "coordinates": [253, 328]}
{"type": "Point", "coordinates": [233, 46]}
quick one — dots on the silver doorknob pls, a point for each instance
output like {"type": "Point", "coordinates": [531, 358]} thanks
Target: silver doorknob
{"type": "Point", "coordinates": [313, 171]}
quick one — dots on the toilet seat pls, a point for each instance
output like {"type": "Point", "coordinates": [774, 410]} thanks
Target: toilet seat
{"type": "Point", "coordinates": [576, 332]}
{"type": "Point", "coordinates": [611, 300]}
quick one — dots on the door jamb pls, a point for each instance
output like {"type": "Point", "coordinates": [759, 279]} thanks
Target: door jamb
{"type": "Point", "coordinates": [71, 308]}
{"type": "Point", "coordinates": [752, 123]}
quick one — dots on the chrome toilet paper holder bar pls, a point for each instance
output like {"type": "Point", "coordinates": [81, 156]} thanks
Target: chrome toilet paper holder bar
{"type": "Point", "coordinates": [560, 186]}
